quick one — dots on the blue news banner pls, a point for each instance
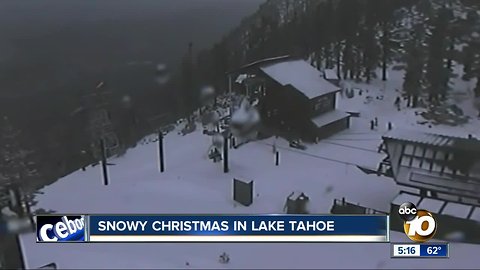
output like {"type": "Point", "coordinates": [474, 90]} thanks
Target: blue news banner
{"type": "Point", "coordinates": [213, 228]}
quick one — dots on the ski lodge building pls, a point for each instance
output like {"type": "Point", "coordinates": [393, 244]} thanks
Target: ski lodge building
{"type": "Point", "coordinates": [293, 97]}
{"type": "Point", "coordinates": [446, 172]}
{"type": "Point", "coordinates": [437, 173]}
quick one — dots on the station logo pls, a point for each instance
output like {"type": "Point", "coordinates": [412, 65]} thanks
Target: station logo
{"type": "Point", "coordinates": [60, 228]}
{"type": "Point", "coordinates": [419, 225]}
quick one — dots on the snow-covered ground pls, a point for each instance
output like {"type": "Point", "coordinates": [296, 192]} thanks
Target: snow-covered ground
{"type": "Point", "coordinates": [194, 184]}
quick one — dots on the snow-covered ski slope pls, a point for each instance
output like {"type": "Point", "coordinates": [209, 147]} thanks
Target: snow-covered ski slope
{"type": "Point", "coordinates": [194, 184]}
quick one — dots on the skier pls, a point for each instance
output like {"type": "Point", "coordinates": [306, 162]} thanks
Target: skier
{"type": "Point", "coordinates": [372, 124]}
{"type": "Point", "coordinates": [397, 103]}
{"type": "Point", "coordinates": [376, 122]}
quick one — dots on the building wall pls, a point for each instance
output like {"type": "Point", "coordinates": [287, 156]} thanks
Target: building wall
{"type": "Point", "coordinates": [283, 104]}
{"type": "Point", "coordinates": [314, 133]}
{"type": "Point", "coordinates": [322, 104]}
{"type": "Point", "coordinates": [394, 150]}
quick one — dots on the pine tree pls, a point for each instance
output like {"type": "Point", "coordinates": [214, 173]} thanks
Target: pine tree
{"type": "Point", "coordinates": [470, 55]}
{"type": "Point", "coordinates": [412, 84]}
{"type": "Point", "coordinates": [474, 45]}
{"type": "Point", "coordinates": [438, 74]}
{"type": "Point", "coordinates": [15, 167]}
{"type": "Point", "coordinates": [389, 14]}
{"type": "Point", "coordinates": [348, 17]}
{"type": "Point", "coordinates": [370, 46]}
{"type": "Point", "coordinates": [414, 50]}
{"type": "Point", "coordinates": [188, 84]}
{"type": "Point", "coordinates": [324, 25]}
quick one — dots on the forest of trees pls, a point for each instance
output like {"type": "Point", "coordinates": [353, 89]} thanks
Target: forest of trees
{"type": "Point", "coordinates": [359, 37]}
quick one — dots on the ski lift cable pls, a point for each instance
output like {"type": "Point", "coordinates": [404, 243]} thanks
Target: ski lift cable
{"type": "Point", "coordinates": [353, 140]}
{"type": "Point", "coordinates": [349, 146]}
{"type": "Point", "coordinates": [311, 155]}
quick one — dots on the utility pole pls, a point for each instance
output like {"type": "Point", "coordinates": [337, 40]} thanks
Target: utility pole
{"type": "Point", "coordinates": [230, 94]}
{"type": "Point", "coordinates": [104, 162]}
{"type": "Point", "coordinates": [160, 151]}
{"type": "Point", "coordinates": [225, 154]}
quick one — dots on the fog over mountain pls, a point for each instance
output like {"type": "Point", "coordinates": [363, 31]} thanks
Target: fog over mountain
{"type": "Point", "coordinates": [48, 44]}
{"type": "Point", "coordinates": [52, 52]}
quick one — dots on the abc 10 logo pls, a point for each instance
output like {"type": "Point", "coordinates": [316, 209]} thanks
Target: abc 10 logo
{"type": "Point", "coordinates": [419, 225]}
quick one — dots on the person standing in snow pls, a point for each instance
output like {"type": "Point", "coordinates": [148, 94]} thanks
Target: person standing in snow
{"type": "Point", "coordinates": [397, 103]}
{"type": "Point", "coordinates": [376, 122]}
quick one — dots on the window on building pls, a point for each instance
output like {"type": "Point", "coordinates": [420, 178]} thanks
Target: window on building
{"type": "Point", "coordinates": [440, 156]}
{"type": "Point", "coordinates": [409, 148]}
{"type": "Point", "coordinates": [447, 170]}
{"type": "Point", "coordinates": [437, 167]}
{"type": "Point", "coordinates": [405, 160]}
{"type": "Point", "coordinates": [416, 162]}
{"type": "Point", "coordinates": [419, 151]}
{"type": "Point", "coordinates": [429, 153]}
{"type": "Point", "coordinates": [426, 164]}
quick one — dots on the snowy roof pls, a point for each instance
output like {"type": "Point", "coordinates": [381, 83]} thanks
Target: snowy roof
{"type": "Point", "coordinates": [297, 194]}
{"type": "Point", "coordinates": [457, 210]}
{"type": "Point", "coordinates": [406, 197]}
{"type": "Point", "coordinates": [433, 139]}
{"type": "Point", "coordinates": [259, 62]}
{"type": "Point", "coordinates": [330, 74]}
{"type": "Point", "coordinates": [302, 76]}
{"type": "Point", "coordinates": [431, 205]}
{"type": "Point", "coordinates": [475, 214]}
{"type": "Point", "coordinates": [329, 117]}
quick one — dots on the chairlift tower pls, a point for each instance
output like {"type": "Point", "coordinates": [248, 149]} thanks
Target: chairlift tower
{"type": "Point", "coordinates": [100, 125]}
{"type": "Point", "coordinates": [105, 142]}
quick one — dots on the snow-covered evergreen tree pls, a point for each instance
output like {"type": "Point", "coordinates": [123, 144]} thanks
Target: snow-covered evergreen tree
{"type": "Point", "coordinates": [15, 167]}
{"type": "Point", "coordinates": [437, 73]}
{"type": "Point", "coordinates": [414, 54]}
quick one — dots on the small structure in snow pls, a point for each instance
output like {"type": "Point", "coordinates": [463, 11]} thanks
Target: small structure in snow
{"type": "Point", "coordinates": [243, 192]}
{"type": "Point", "coordinates": [296, 203]}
